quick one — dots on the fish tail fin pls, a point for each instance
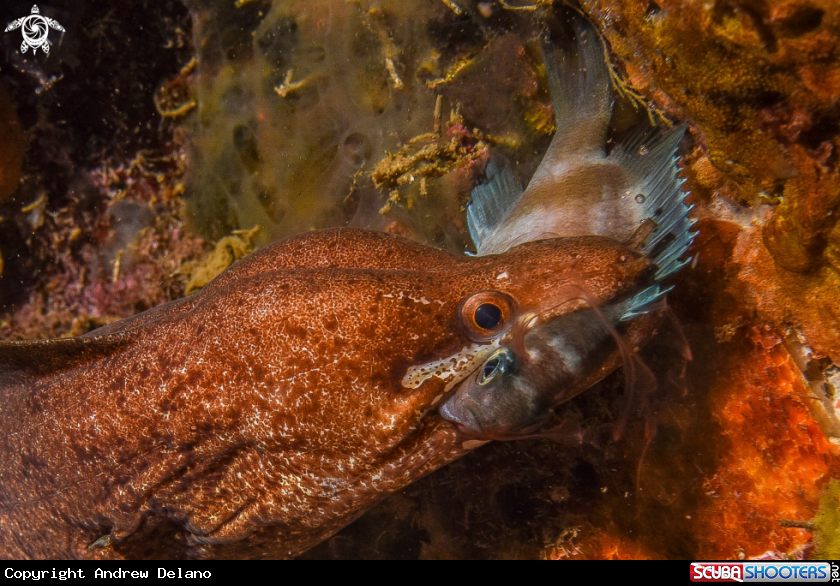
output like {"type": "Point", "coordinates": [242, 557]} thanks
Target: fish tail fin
{"type": "Point", "coordinates": [581, 93]}
{"type": "Point", "coordinates": [581, 89]}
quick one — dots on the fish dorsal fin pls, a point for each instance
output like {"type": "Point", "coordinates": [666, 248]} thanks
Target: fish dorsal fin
{"type": "Point", "coordinates": [648, 156]}
{"type": "Point", "coordinates": [491, 202]}
{"type": "Point", "coordinates": [20, 362]}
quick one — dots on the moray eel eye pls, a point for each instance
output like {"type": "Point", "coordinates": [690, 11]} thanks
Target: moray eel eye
{"type": "Point", "coordinates": [500, 362]}
{"type": "Point", "coordinates": [485, 315]}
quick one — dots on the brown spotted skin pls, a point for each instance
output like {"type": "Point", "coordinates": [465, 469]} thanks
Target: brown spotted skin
{"type": "Point", "coordinates": [259, 416]}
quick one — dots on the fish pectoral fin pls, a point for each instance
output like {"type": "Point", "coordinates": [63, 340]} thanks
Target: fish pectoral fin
{"type": "Point", "coordinates": [643, 302]}
{"type": "Point", "coordinates": [491, 202]}
{"type": "Point", "coordinates": [648, 156]}
{"type": "Point", "coordinates": [21, 361]}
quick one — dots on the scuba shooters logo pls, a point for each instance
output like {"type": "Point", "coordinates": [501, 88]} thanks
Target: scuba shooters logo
{"type": "Point", "coordinates": [789, 571]}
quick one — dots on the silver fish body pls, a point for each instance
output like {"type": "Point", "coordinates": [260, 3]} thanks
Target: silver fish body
{"type": "Point", "coordinates": [516, 390]}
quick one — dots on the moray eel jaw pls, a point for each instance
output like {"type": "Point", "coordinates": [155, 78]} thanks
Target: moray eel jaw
{"type": "Point", "coordinates": [519, 385]}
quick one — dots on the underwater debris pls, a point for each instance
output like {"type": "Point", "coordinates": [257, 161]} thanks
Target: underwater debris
{"type": "Point", "coordinates": [451, 73]}
{"type": "Point", "coordinates": [173, 98]}
{"type": "Point", "coordinates": [35, 211]}
{"type": "Point", "coordinates": [453, 7]}
{"type": "Point", "coordinates": [822, 380]}
{"type": "Point", "coordinates": [376, 24]}
{"type": "Point", "coordinates": [526, 7]}
{"type": "Point", "coordinates": [86, 323]}
{"type": "Point", "coordinates": [288, 86]}
{"type": "Point", "coordinates": [430, 155]}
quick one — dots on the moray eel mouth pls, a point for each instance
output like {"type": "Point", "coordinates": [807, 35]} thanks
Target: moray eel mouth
{"type": "Point", "coordinates": [526, 376]}
{"type": "Point", "coordinates": [434, 443]}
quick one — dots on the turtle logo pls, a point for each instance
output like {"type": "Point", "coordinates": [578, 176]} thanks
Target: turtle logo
{"type": "Point", "coordinates": [35, 30]}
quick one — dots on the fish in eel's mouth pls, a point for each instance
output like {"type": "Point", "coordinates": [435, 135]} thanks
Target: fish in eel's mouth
{"type": "Point", "coordinates": [632, 196]}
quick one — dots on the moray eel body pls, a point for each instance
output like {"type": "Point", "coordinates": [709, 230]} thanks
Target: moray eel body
{"type": "Point", "coordinates": [264, 413]}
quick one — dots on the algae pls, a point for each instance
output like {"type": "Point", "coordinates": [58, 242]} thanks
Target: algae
{"type": "Point", "coordinates": [308, 114]}
{"type": "Point", "coordinates": [228, 250]}
{"type": "Point", "coordinates": [827, 524]}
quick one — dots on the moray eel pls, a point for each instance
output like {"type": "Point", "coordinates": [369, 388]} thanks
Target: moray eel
{"type": "Point", "coordinates": [270, 409]}
{"type": "Point", "coordinates": [259, 416]}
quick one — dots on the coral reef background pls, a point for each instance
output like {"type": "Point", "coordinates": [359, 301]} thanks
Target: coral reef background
{"type": "Point", "coordinates": [140, 154]}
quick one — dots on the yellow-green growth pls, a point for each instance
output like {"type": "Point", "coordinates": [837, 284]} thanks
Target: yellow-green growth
{"type": "Point", "coordinates": [827, 523]}
{"type": "Point", "coordinates": [228, 250]}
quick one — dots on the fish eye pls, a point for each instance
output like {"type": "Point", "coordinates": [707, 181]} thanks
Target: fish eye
{"type": "Point", "coordinates": [490, 367]}
{"type": "Point", "coordinates": [487, 314]}
{"type": "Point", "coordinates": [498, 364]}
